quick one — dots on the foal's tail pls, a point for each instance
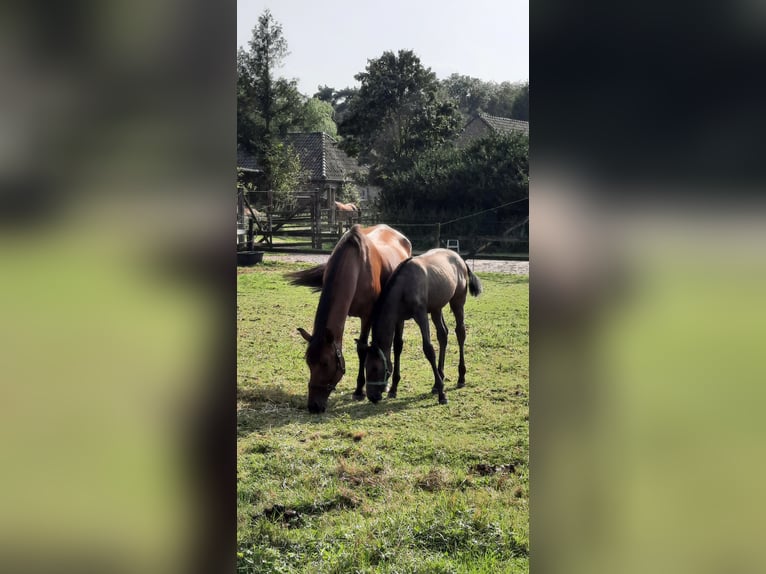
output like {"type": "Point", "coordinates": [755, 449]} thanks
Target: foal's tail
{"type": "Point", "coordinates": [312, 277]}
{"type": "Point", "coordinates": [474, 285]}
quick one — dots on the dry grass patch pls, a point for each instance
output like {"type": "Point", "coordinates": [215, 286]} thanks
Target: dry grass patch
{"type": "Point", "coordinates": [435, 479]}
{"type": "Point", "coordinates": [359, 475]}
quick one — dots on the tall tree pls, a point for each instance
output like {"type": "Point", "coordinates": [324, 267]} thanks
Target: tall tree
{"type": "Point", "coordinates": [317, 117]}
{"type": "Point", "coordinates": [397, 114]}
{"type": "Point", "coordinates": [266, 105]}
{"type": "Point", "coordinates": [338, 98]}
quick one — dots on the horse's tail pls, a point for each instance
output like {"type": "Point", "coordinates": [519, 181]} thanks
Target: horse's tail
{"type": "Point", "coordinates": [312, 277]}
{"type": "Point", "coordinates": [474, 285]}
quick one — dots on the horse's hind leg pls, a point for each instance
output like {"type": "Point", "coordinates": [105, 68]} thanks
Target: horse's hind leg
{"type": "Point", "coordinates": [421, 318]}
{"type": "Point", "coordinates": [441, 334]}
{"type": "Point", "coordinates": [361, 351]}
{"type": "Point", "coordinates": [398, 346]}
{"type": "Point", "coordinates": [457, 310]}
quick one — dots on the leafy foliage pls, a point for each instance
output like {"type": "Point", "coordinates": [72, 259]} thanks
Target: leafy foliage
{"type": "Point", "coordinates": [448, 183]}
{"type": "Point", "coordinates": [318, 117]}
{"type": "Point", "coordinates": [285, 174]}
{"type": "Point", "coordinates": [349, 193]}
{"type": "Point", "coordinates": [339, 99]}
{"type": "Point", "coordinates": [473, 95]}
{"type": "Point", "coordinates": [266, 105]}
{"type": "Point", "coordinates": [397, 114]}
{"type": "Point", "coordinates": [520, 109]}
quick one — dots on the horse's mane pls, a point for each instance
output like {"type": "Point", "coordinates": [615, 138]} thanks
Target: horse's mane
{"type": "Point", "coordinates": [378, 308]}
{"type": "Point", "coordinates": [352, 239]}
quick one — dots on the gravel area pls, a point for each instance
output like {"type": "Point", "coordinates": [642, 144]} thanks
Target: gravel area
{"type": "Point", "coordinates": [480, 265]}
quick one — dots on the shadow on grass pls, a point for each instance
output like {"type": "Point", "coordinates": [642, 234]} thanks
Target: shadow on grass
{"type": "Point", "coordinates": [269, 407]}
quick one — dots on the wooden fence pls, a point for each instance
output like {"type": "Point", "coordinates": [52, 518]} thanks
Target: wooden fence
{"type": "Point", "coordinates": [307, 225]}
{"type": "Point", "coordinates": [312, 225]}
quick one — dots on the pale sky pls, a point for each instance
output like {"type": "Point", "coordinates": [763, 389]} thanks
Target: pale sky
{"type": "Point", "coordinates": [331, 40]}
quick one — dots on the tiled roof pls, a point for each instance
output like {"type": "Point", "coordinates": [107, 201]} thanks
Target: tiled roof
{"type": "Point", "coordinates": [505, 125]}
{"type": "Point", "coordinates": [321, 158]}
{"type": "Point", "coordinates": [246, 161]}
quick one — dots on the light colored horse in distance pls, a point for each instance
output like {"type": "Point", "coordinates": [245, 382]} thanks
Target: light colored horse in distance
{"type": "Point", "coordinates": [350, 282]}
{"type": "Point", "coordinates": [347, 212]}
{"type": "Point", "coordinates": [346, 207]}
{"type": "Point", "coordinates": [420, 286]}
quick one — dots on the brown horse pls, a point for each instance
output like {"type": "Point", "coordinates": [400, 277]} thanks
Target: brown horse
{"type": "Point", "coordinates": [351, 282]}
{"type": "Point", "coordinates": [421, 285]}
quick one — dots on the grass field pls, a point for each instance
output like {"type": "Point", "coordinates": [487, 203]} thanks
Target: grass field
{"type": "Point", "coordinates": [403, 486]}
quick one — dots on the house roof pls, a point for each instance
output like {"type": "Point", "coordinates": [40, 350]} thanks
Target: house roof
{"type": "Point", "coordinates": [246, 161]}
{"type": "Point", "coordinates": [321, 158]}
{"type": "Point", "coordinates": [504, 125]}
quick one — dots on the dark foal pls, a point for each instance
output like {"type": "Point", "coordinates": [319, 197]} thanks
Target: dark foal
{"type": "Point", "coordinates": [420, 286]}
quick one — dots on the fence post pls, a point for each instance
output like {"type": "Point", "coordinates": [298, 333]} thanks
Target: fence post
{"type": "Point", "coordinates": [316, 224]}
{"type": "Point", "coordinates": [438, 234]}
{"type": "Point", "coordinates": [250, 233]}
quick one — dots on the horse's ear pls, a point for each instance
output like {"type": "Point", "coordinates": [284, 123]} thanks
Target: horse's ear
{"type": "Point", "coordinates": [304, 334]}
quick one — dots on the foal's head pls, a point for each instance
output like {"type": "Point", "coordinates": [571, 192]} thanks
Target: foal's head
{"type": "Point", "coordinates": [377, 371]}
{"type": "Point", "coordinates": [326, 368]}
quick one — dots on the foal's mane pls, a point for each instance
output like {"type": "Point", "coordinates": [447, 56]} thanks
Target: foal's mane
{"type": "Point", "coordinates": [378, 308]}
{"type": "Point", "coordinates": [352, 239]}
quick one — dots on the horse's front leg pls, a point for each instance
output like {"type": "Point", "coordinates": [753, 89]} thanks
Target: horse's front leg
{"type": "Point", "coordinates": [421, 318]}
{"type": "Point", "coordinates": [361, 351]}
{"type": "Point", "coordinates": [398, 346]}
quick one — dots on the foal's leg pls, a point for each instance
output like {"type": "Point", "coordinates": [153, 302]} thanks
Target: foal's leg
{"type": "Point", "coordinates": [398, 346]}
{"type": "Point", "coordinates": [421, 318]}
{"type": "Point", "coordinates": [441, 334]}
{"type": "Point", "coordinates": [361, 351]}
{"type": "Point", "coordinates": [457, 310]}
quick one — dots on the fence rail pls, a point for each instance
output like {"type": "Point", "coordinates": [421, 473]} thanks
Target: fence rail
{"type": "Point", "coordinates": [311, 225]}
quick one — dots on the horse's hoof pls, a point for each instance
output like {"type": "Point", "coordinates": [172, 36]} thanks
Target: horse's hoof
{"type": "Point", "coordinates": [358, 397]}
{"type": "Point", "coordinates": [391, 395]}
{"type": "Point", "coordinates": [460, 384]}
{"type": "Point", "coordinates": [443, 401]}
{"type": "Point", "coordinates": [434, 391]}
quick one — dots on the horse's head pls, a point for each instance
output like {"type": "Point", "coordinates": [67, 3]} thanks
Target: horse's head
{"type": "Point", "coordinates": [377, 371]}
{"type": "Point", "coordinates": [326, 368]}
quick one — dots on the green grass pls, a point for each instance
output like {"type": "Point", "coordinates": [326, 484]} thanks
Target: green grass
{"type": "Point", "coordinates": [406, 485]}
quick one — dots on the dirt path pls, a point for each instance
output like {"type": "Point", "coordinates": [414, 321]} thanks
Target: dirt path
{"type": "Point", "coordinates": [480, 265]}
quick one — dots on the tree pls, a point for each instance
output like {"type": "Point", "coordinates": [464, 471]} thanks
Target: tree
{"type": "Point", "coordinates": [349, 193]}
{"type": "Point", "coordinates": [317, 117]}
{"type": "Point", "coordinates": [448, 183]}
{"type": "Point", "coordinates": [472, 95]}
{"type": "Point", "coordinates": [397, 114]}
{"type": "Point", "coordinates": [520, 109]}
{"type": "Point", "coordinates": [339, 99]}
{"type": "Point", "coordinates": [266, 105]}
{"type": "Point", "coordinates": [286, 175]}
